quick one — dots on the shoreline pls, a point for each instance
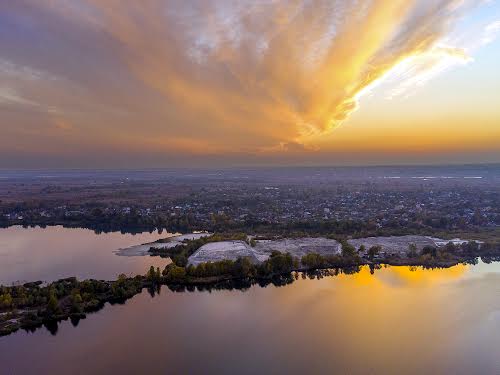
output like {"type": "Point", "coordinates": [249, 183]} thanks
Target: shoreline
{"type": "Point", "coordinates": [71, 305]}
{"type": "Point", "coordinates": [205, 261]}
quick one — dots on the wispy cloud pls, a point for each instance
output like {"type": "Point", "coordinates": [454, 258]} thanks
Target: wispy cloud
{"type": "Point", "coordinates": [242, 75]}
{"type": "Point", "coordinates": [286, 70]}
{"type": "Point", "coordinates": [491, 32]}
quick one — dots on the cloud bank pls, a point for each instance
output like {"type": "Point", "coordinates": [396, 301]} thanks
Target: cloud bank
{"type": "Point", "coordinates": [209, 76]}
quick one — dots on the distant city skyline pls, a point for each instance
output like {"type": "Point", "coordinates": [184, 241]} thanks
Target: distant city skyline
{"type": "Point", "coordinates": [166, 83]}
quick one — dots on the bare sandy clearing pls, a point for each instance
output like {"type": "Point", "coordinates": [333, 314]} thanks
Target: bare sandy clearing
{"type": "Point", "coordinates": [216, 251]}
{"type": "Point", "coordinates": [298, 247]}
{"type": "Point", "coordinates": [233, 250]}
{"type": "Point", "coordinates": [167, 243]}
{"type": "Point", "coordinates": [396, 244]}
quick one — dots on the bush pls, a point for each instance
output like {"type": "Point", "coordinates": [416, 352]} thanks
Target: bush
{"type": "Point", "coordinates": [429, 250]}
{"type": "Point", "coordinates": [412, 251]}
{"type": "Point", "coordinates": [313, 260]}
{"type": "Point", "coordinates": [243, 268]}
{"type": "Point", "coordinates": [280, 263]}
{"type": "Point", "coordinates": [374, 251]}
{"type": "Point", "coordinates": [175, 274]}
{"type": "Point", "coordinates": [5, 300]}
{"type": "Point", "coordinates": [53, 304]}
{"type": "Point", "coordinates": [348, 251]}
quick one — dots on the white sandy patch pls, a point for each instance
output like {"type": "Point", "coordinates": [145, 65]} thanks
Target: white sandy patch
{"type": "Point", "coordinates": [298, 247]}
{"type": "Point", "coordinates": [167, 243]}
{"type": "Point", "coordinates": [395, 244]}
{"type": "Point", "coordinates": [217, 251]}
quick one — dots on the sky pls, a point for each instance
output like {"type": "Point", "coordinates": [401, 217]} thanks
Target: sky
{"type": "Point", "coordinates": [174, 83]}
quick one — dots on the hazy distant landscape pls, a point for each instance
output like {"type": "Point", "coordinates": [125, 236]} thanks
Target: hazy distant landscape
{"type": "Point", "coordinates": [370, 199]}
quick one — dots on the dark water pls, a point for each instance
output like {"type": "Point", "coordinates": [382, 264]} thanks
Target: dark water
{"type": "Point", "coordinates": [396, 321]}
{"type": "Point", "coordinates": [52, 253]}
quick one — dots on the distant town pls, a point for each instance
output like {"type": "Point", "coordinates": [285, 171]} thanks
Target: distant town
{"type": "Point", "coordinates": [302, 199]}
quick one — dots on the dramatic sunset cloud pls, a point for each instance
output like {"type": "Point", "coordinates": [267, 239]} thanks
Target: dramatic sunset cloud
{"type": "Point", "coordinates": [211, 77]}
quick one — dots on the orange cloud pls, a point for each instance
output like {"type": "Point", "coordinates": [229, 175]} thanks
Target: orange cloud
{"type": "Point", "coordinates": [278, 71]}
{"type": "Point", "coordinates": [250, 77]}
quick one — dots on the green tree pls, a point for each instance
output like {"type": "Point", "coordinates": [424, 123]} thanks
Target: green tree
{"type": "Point", "coordinates": [281, 263]}
{"type": "Point", "coordinates": [154, 275]}
{"type": "Point", "coordinates": [77, 298]}
{"type": "Point", "coordinates": [313, 260]}
{"type": "Point", "coordinates": [348, 251]}
{"type": "Point", "coordinates": [242, 267]}
{"type": "Point", "coordinates": [450, 247]}
{"type": "Point", "coordinates": [176, 274]}
{"type": "Point", "coordinates": [6, 300]}
{"type": "Point", "coordinates": [76, 302]}
{"type": "Point", "coordinates": [412, 251]}
{"type": "Point", "coordinates": [181, 260]}
{"type": "Point", "coordinates": [374, 251]}
{"type": "Point", "coordinates": [429, 250]}
{"type": "Point", "coordinates": [53, 304]}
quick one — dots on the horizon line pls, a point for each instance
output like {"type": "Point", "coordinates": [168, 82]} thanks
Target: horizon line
{"type": "Point", "coordinates": [288, 166]}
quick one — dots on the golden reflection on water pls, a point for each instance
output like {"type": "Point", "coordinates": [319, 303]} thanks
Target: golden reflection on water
{"type": "Point", "coordinates": [396, 321]}
{"type": "Point", "coordinates": [411, 276]}
{"type": "Point", "coordinates": [396, 311]}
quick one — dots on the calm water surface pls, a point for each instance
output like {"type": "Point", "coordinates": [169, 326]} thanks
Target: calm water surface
{"type": "Point", "coordinates": [52, 253]}
{"type": "Point", "coordinates": [395, 321]}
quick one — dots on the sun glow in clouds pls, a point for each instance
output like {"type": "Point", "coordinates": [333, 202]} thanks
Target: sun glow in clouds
{"type": "Point", "coordinates": [249, 76]}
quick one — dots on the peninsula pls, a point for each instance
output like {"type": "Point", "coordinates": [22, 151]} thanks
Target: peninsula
{"type": "Point", "coordinates": [229, 261]}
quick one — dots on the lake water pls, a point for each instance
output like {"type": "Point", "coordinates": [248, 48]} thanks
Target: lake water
{"type": "Point", "coordinates": [398, 320]}
{"type": "Point", "coordinates": [48, 254]}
